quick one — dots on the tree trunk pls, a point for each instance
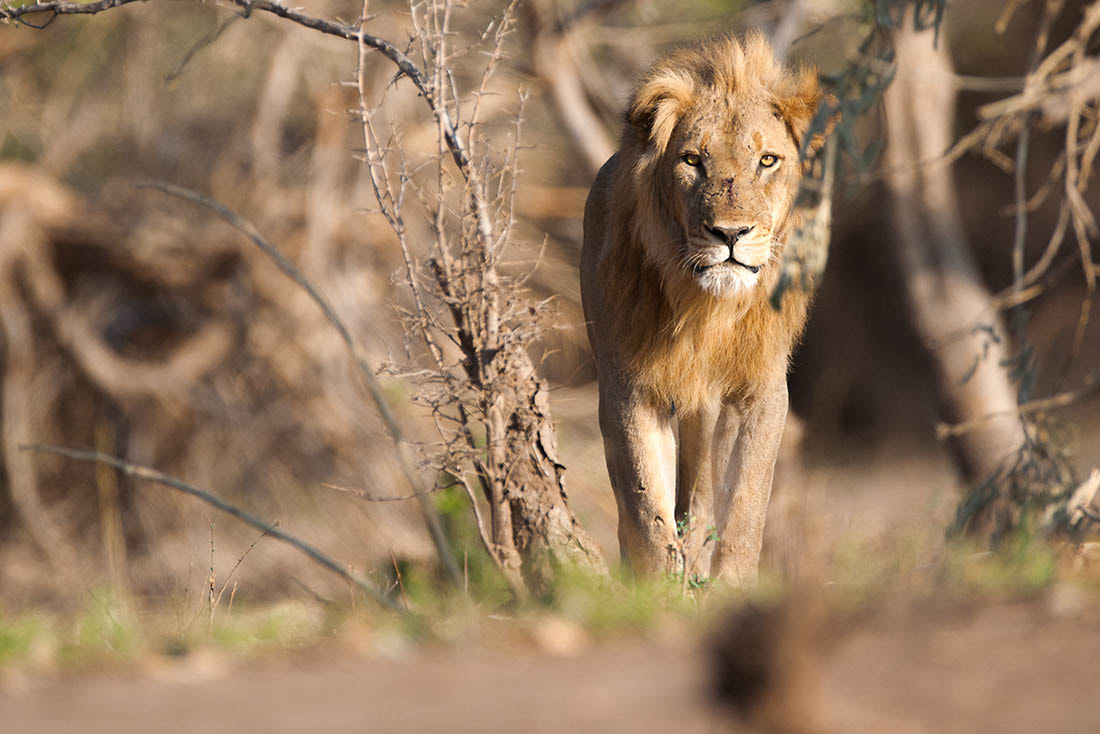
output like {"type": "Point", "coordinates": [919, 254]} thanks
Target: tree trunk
{"type": "Point", "coordinates": [544, 529]}
{"type": "Point", "coordinates": [950, 306]}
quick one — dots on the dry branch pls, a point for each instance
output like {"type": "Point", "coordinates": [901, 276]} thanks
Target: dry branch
{"type": "Point", "coordinates": [489, 404]}
{"type": "Point", "coordinates": [152, 475]}
{"type": "Point", "coordinates": [1054, 402]}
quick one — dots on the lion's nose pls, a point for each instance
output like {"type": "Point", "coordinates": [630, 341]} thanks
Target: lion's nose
{"type": "Point", "coordinates": [731, 235]}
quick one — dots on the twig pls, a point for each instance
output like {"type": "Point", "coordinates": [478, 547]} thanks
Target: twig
{"type": "Point", "coordinates": [400, 582]}
{"type": "Point", "coordinates": [1001, 25]}
{"type": "Point", "coordinates": [202, 43]}
{"type": "Point", "coordinates": [152, 475]}
{"type": "Point", "coordinates": [431, 516]}
{"type": "Point", "coordinates": [1050, 10]}
{"type": "Point", "coordinates": [210, 585]}
{"type": "Point", "coordinates": [1020, 235]}
{"type": "Point", "coordinates": [1061, 400]}
{"type": "Point", "coordinates": [59, 8]}
{"type": "Point", "coordinates": [479, 523]}
{"type": "Point", "coordinates": [1089, 513]}
{"type": "Point", "coordinates": [236, 565]}
{"type": "Point", "coordinates": [367, 497]}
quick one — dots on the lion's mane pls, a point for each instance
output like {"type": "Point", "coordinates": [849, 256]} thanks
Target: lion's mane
{"type": "Point", "coordinates": [679, 341]}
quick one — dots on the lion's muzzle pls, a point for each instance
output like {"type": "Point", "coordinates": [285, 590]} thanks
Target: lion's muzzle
{"type": "Point", "coordinates": [730, 236]}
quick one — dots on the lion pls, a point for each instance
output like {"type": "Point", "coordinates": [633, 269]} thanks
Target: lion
{"type": "Point", "coordinates": [684, 232]}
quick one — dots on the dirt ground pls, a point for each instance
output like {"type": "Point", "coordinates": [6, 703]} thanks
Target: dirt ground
{"type": "Point", "coordinates": [931, 666]}
{"type": "Point", "coordinates": [1003, 667]}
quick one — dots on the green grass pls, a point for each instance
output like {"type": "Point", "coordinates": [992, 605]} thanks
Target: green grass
{"type": "Point", "coordinates": [99, 634]}
{"type": "Point", "coordinates": [285, 625]}
{"type": "Point", "coordinates": [17, 634]}
{"type": "Point", "coordinates": [1023, 563]}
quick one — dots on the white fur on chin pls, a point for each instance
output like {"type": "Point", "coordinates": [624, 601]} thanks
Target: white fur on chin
{"type": "Point", "coordinates": [725, 281]}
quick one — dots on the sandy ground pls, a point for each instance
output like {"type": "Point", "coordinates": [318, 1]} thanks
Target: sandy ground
{"type": "Point", "coordinates": [931, 666]}
{"type": "Point", "coordinates": [1029, 666]}
{"type": "Point", "coordinates": [628, 686]}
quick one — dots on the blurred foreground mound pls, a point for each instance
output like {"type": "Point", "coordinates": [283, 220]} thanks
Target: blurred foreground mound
{"type": "Point", "coordinates": [940, 664]}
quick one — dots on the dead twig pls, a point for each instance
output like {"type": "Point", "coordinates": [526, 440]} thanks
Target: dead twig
{"type": "Point", "coordinates": [199, 45]}
{"type": "Point", "coordinates": [367, 497]}
{"type": "Point", "coordinates": [1061, 400]}
{"type": "Point", "coordinates": [8, 13]}
{"type": "Point", "coordinates": [218, 598]}
{"type": "Point", "coordinates": [1050, 12]}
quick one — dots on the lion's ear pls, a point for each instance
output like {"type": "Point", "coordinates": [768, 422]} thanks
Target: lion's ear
{"type": "Point", "coordinates": [798, 106]}
{"type": "Point", "coordinates": [658, 105]}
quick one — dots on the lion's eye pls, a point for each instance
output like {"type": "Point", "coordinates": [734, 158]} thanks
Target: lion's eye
{"type": "Point", "coordinates": [768, 160]}
{"type": "Point", "coordinates": [693, 160]}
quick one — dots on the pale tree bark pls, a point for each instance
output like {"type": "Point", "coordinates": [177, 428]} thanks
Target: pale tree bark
{"type": "Point", "coordinates": [951, 308]}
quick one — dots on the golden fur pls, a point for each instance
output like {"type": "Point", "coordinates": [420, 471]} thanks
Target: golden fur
{"type": "Point", "coordinates": [681, 342]}
{"type": "Point", "coordinates": [685, 228]}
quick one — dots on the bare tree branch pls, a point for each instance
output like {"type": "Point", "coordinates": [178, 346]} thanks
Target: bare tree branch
{"type": "Point", "coordinates": [152, 475]}
{"type": "Point", "coordinates": [1061, 400]}
{"type": "Point", "coordinates": [58, 8]}
{"type": "Point", "coordinates": [199, 45]}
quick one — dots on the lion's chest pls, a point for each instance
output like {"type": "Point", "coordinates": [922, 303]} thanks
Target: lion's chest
{"type": "Point", "coordinates": [718, 356]}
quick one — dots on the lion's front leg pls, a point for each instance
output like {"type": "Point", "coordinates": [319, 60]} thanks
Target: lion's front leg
{"type": "Point", "coordinates": [641, 461]}
{"type": "Point", "coordinates": [748, 481]}
{"type": "Point", "coordinates": [695, 482]}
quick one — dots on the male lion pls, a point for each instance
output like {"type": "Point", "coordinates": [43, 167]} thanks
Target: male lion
{"type": "Point", "coordinates": [684, 232]}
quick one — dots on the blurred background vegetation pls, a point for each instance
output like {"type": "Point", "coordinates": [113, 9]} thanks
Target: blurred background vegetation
{"type": "Point", "coordinates": [145, 327]}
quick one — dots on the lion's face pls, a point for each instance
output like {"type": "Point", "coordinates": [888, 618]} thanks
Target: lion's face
{"type": "Point", "coordinates": [715, 132]}
{"type": "Point", "coordinates": [734, 176]}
